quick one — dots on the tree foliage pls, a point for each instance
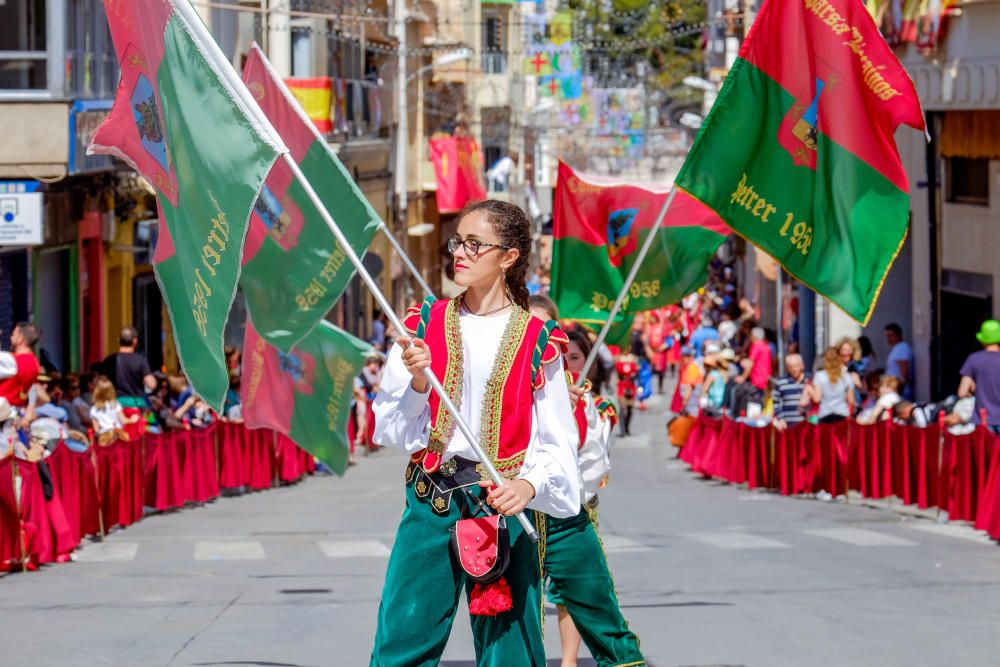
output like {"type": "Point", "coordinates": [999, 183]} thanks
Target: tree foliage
{"type": "Point", "coordinates": [665, 35]}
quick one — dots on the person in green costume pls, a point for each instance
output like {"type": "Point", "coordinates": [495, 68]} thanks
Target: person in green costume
{"type": "Point", "coordinates": [580, 582]}
{"type": "Point", "coordinates": [504, 370]}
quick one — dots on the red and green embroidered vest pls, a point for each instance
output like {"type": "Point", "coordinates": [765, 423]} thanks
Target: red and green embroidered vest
{"type": "Point", "coordinates": [527, 345]}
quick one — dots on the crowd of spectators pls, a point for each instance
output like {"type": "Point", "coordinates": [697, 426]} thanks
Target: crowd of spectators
{"type": "Point", "coordinates": [724, 371]}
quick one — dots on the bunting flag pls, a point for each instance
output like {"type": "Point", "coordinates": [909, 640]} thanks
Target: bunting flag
{"type": "Point", "coordinates": [177, 121]}
{"type": "Point", "coordinates": [458, 170]}
{"type": "Point", "coordinates": [305, 393]}
{"type": "Point", "coordinates": [293, 268]}
{"type": "Point", "coordinates": [600, 223]}
{"type": "Point", "coordinates": [798, 156]}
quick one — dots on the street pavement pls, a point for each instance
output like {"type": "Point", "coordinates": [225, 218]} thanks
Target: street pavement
{"type": "Point", "coordinates": [707, 574]}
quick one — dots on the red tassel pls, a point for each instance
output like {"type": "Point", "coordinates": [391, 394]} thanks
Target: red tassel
{"type": "Point", "coordinates": [491, 599]}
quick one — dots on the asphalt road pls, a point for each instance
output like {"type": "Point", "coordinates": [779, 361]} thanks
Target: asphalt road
{"type": "Point", "coordinates": [707, 574]}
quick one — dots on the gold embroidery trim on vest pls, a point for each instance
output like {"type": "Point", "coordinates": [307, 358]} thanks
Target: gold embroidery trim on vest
{"type": "Point", "coordinates": [492, 415]}
{"type": "Point", "coordinates": [454, 373]}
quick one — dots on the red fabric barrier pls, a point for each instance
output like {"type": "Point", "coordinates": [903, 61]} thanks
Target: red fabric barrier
{"type": "Point", "coordinates": [291, 466]}
{"type": "Point", "coordinates": [259, 455]}
{"type": "Point", "coordinates": [965, 472]}
{"type": "Point", "coordinates": [961, 474]}
{"type": "Point", "coordinates": [232, 470]}
{"type": "Point", "coordinates": [165, 488]}
{"type": "Point", "coordinates": [49, 533]}
{"type": "Point", "coordinates": [200, 467]}
{"type": "Point", "coordinates": [988, 516]}
{"type": "Point", "coordinates": [10, 524]}
{"type": "Point", "coordinates": [113, 482]}
{"type": "Point", "coordinates": [75, 476]}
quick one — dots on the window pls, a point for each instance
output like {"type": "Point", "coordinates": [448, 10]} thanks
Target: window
{"type": "Point", "coordinates": [968, 181]}
{"type": "Point", "coordinates": [56, 49]}
{"type": "Point", "coordinates": [91, 62]}
{"type": "Point", "coordinates": [23, 38]}
{"type": "Point", "coordinates": [494, 44]}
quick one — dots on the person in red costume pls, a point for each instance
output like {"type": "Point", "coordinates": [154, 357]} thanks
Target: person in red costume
{"type": "Point", "coordinates": [627, 368]}
{"type": "Point", "coordinates": [19, 368]}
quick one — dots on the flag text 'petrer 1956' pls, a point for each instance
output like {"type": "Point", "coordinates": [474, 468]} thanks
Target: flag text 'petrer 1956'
{"type": "Point", "coordinates": [293, 268]}
{"type": "Point", "coordinates": [798, 156]}
{"type": "Point", "coordinates": [598, 226]}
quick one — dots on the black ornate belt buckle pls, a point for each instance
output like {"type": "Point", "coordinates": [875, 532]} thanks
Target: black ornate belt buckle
{"type": "Point", "coordinates": [448, 468]}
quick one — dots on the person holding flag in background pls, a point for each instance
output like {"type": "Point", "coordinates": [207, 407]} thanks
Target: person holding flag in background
{"type": "Point", "coordinates": [504, 369]}
{"type": "Point", "coordinates": [580, 581]}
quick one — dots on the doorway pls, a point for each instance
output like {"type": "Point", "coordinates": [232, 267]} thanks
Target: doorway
{"type": "Point", "coordinates": [961, 315]}
{"type": "Point", "coordinates": [147, 308]}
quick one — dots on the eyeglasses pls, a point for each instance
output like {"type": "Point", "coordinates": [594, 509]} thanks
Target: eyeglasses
{"type": "Point", "coordinates": [472, 246]}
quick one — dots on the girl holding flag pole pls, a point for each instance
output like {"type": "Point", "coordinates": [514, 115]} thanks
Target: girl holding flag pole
{"type": "Point", "coordinates": [504, 370]}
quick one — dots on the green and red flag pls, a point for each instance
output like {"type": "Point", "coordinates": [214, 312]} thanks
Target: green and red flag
{"type": "Point", "coordinates": [178, 122]}
{"type": "Point", "coordinates": [293, 268]}
{"type": "Point", "coordinates": [304, 393]}
{"type": "Point", "coordinates": [598, 226]}
{"type": "Point", "coordinates": [798, 156]}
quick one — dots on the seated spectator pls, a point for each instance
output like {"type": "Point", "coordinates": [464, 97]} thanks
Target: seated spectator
{"type": "Point", "coordinates": [752, 382]}
{"type": "Point", "coordinates": [107, 414]}
{"type": "Point", "coordinates": [787, 393]}
{"type": "Point", "coordinates": [232, 410]}
{"type": "Point", "coordinates": [714, 390]}
{"type": "Point", "coordinates": [888, 397]}
{"type": "Point", "coordinates": [831, 389]}
{"type": "Point", "coordinates": [160, 403]}
{"type": "Point", "coordinates": [911, 414]}
{"type": "Point", "coordinates": [70, 392]}
{"type": "Point", "coordinates": [688, 392]}
{"type": "Point", "coordinates": [83, 402]}
{"type": "Point", "coordinates": [204, 415]}
{"type": "Point", "coordinates": [182, 398]}
{"type": "Point", "coordinates": [44, 399]}
{"type": "Point", "coordinates": [961, 418]}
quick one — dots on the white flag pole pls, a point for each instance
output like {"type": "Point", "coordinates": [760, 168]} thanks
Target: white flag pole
{"type": "Point", "coordinates": [294, 103]}
{"type": "Point", "coordinates": [225, 69]}
{"type": "Point", "coordinates": [625, 288]}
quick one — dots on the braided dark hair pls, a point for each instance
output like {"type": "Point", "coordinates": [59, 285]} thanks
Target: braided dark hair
{"type": "Point", "coordinates": [514, 229]}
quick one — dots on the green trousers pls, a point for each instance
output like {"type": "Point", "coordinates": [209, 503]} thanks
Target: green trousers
{"type": "Point", "coordinates": [422, 588]}
{"type": "Point", "coordinates": [579, 579]}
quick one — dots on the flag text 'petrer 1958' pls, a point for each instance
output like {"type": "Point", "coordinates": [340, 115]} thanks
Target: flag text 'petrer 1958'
{"type": "Point", "coordinates": [798, 156]}
{"type": "Point", "coordinates": [598, 226]}
{"type": "Point", "coordinates": [293, 268]}
{"type": "Point", "coordinates": [177, 122]}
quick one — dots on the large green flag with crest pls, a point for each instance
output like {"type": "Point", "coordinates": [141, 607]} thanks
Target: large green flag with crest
{"type": "Point", "coordinates": [178, 121]}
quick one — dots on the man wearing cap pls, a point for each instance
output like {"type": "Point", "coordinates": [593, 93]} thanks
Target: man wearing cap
{"type": "Point", "coordinates": [981, 374]}
{"type": "Point", "coordinates": [19, 368]}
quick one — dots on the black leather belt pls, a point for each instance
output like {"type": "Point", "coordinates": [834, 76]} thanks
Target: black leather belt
{"type": "Point", "coordinates": [437, 487]}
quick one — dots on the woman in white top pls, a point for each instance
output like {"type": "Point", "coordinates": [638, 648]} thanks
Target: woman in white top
{"type": "Point", "coordinates": [832, 389]}
{"type": "Point", "coordinates": [504, 370]}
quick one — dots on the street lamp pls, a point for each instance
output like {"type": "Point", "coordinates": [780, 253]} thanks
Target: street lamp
{"type": "Point", "coordinates": [447, 59]}
{"type": "Point", "coordinates": [700, 84]}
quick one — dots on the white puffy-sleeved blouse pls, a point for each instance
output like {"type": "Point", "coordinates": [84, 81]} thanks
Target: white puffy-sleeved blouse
{"type": "Point", "coordinates": [403, 416]}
